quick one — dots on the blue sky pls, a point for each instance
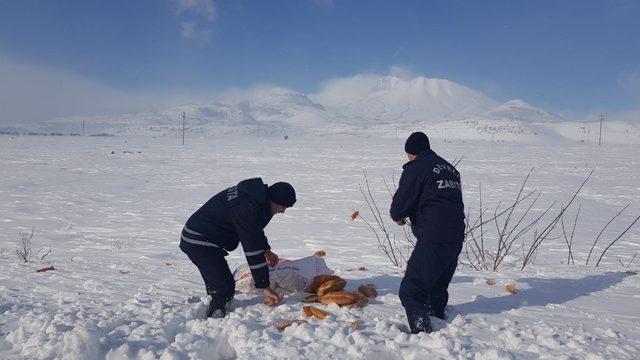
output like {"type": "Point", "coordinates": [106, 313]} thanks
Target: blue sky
{"type": "Point", "coordinates": [573, 57]}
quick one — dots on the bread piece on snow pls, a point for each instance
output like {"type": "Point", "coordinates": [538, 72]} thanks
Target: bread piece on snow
{"type": "Point", "coordinates": [339, 297]}
{"type": "Point", "coordinates": [285, 324]}
{"type": "Point", "coordinates": [368, 290]}
{"type": "Point", "coordinates": [361, 300]}
{"type": "Point", "coordinates": [319, 280]}
{"type": "Point", "coordinates": [331, 286]}
{"type": "Point", "coordinates": [311, 298]}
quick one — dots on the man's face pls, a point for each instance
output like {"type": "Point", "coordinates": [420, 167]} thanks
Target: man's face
{"type": "Point", "coordinates": [411, 157]}
{"type": "Point", "coordinates": [277, 209]}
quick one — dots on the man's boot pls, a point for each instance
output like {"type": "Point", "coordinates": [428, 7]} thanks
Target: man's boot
{"type": "Point", "coordinates": [216, 311]}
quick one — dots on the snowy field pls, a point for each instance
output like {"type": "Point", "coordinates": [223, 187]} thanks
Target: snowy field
{"type": "Point", "coordinates": [111, 210]}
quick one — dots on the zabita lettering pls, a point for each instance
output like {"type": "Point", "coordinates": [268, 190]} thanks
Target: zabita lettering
{"type": "Point", "coordinates": [232, 193]}
{"type": "Point", "coordinates": [448, 184]}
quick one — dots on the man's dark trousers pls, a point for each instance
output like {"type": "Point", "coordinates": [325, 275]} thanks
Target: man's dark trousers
{"type": "Point", "coordinates": [423, 290]}
{"type": "Point", "coordinates": [215, 272]}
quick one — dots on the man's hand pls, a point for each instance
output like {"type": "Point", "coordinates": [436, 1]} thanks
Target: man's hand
{"type": "Point", "coordinates": [401, 222]}
{"type": "Point", "coordinates": [271, 297]}
{"type": "Point", "coordinates": [272, 258]}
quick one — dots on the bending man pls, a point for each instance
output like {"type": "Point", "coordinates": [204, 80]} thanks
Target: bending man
{"type": "Point", "coordinates": [237, 215]}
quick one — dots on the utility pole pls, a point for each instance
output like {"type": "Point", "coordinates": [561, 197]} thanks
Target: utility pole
{"type": "Point", "coordinates": [600, 135]}
{"type": "Point", "coordinates": [183, 124]}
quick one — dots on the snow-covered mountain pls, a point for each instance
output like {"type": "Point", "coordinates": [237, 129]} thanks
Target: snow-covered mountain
{"type": "Point", "coordinates": [284, 107]}
{"type": "Point", "coordinates": [214, 113]}
{"type": "Point", "coordinates": [519, 110]}
{"type": "Point", "coordinates": [391, 99]}
{"type": "Point", "coordinates": [269, 106]}
{"type": "Point", "coordinates": [377, 103]}
{"type": "Point", "coordinates": [359, 100]}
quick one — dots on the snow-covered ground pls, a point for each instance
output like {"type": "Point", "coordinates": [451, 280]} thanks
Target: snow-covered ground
{"type": "Point", "coordinates": [111, 209]}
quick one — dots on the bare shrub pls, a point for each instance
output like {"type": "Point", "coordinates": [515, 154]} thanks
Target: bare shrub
{"type": "Point", "coordinates": [492, 237]}
{"type": "Point", "coordinates": [119, 244]}
{"type": "Point", "coordinates": [511, 224]}
{"type": "Point", "coordinates": [569, 239]}
{"type": "Point", "coordinates": [25, 253]}
{"type": "Point", "coordinates": [545, 234]}
{"type": "Point", "coordinates": [387, 241]}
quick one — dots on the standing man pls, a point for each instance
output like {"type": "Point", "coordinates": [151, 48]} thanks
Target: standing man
{"type": "Point", "coordinates": [430, 195]}
{"type": "Point", "coordinates": [235, 215]}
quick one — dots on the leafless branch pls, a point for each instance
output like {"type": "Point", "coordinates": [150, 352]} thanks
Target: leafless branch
{"type": "Point", "coordinates": [602, 231]}
{"type": "Point", "coordinates": [616, 239]}
{"type": "Point", "coordinates": [627, 265]}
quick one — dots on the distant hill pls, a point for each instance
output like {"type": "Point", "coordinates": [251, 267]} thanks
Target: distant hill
{"type": "Point", "coordinates": [519, 110]}
{"type": "Point", "coordinates": [353, 105]}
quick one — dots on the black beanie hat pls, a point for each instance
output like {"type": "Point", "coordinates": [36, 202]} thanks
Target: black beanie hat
{"type": "Point", "coordinates": [416, 143]}
{"type": "Point", "coordinates": [282, 193]}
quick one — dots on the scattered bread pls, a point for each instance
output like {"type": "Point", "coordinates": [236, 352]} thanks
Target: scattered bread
{"type": "Point", "coordinates": [354, 215]}
{"type": "Point", "coordinates": [285, 324]}
{"type": "Point", "coordinates": [319, 280]}
{"type": "Point", "coordinates": [320, 253]}
{"type": "Point", "coordinates": [331, 286]}
{"type": "Point", "coordinates": [329, 289]}
{"type": "Point", "coordinates": [339, 298]}
{"type": "Point", "coordinates": [368, 290]}
{"type": "Point", "coordinates": [319, 314]}
{"type": "Point", "coordinates": [490, 282]}
{"type": "Point", "coordinates": [355, 324]}
{"type": "Point", "coordinates": [309, 310]}
{"type": "Point", "coordinates": [511, 288]}
{"type": "Point", "coordinates": [49, 268]}
{"type": "Point", "coordinates": [360, 301]}
{"type": "Point", "coordinates": [311, 298]}
{"type": "Point", "coordinates": [306, 310]}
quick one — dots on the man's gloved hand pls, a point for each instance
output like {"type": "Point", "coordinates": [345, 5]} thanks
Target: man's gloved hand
{"type": "Point", "coordinates": [271, 297]}
{"type": "Point", "coordinates": [272, 258]}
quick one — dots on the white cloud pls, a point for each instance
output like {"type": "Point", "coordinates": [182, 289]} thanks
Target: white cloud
{"type": "Point", "coordinates": [346, 89]}
{"type": "Point", "coordinates": [351, 88]}
{"type": "Point", "coordinates": [323, 2]}
{"type": "Point", "coordinates": [32, 93]}
{"type": "Point", "coordinates": [199, 12]}
{"type": "Point", "coordinates": [204, 8]}
{"type": "Point", "coordinates": [402, 72]}
{"type": "Point", "coordinates": [190, 31]}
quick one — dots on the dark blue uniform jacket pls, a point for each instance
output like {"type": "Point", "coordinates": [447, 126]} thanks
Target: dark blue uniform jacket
{"type": "Point", "coordinates": [235, 215]}
{"type": "Point", "coordinates": [430, 195]}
